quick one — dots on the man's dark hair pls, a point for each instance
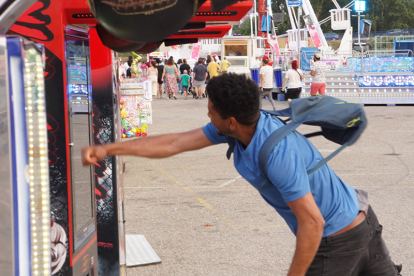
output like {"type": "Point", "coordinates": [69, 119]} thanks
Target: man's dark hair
{"type": "Point", "coordinates": [235, 96]}
{"type": "Point", "coordinates": [209, 59]}
{"type": "Point", "coordinates": [317, 58]}
{"type": "Point", "coordinates": [158, 60]}
{"type": "Point", "coordinates": [265, 61]}
{"type": "Point", "coordinates": [200, 61]}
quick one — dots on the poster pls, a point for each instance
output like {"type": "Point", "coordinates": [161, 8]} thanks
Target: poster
{"type": "Point", "coordinates": [312, 31]}
{"type": "Point", "coordinates": [196, 50]}
{"type": "Point", "coordinates": [275, 44]}
{"type": "Point", "coordinates": [77, 73]}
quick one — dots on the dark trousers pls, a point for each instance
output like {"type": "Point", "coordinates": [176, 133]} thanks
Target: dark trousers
{"type": "Point", "coordinates": [360, 251]}
{"type": "Point", "coordinates": [293, 93]}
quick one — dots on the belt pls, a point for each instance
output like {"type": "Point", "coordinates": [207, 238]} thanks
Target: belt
{"type": "Point", "coordinates": [360, 218]}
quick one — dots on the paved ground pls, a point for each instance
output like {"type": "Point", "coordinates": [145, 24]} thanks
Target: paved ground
{"type": "Point", "coordinates": [202, 218]}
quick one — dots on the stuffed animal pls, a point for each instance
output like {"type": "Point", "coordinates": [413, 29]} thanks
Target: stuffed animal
{"type": "Point", "coordinates": [124, 114]}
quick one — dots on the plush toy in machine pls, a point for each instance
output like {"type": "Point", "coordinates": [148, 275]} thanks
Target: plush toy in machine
{"type": "Point", "coordinates": [143, 130]}
{"type": "Point", "coordinates": [124, 114]}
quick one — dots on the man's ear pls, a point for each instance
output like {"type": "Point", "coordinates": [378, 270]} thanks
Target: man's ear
{"type": "Point", "coordinates": [232, 123]}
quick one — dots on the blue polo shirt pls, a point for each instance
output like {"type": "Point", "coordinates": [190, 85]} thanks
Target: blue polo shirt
{"type": "Point", "coordinates": [287, 167]}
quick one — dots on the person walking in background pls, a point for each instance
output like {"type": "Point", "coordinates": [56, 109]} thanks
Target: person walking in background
{"type": "Point", "coordinates": [185, 79]}
{"type": "Point", "coordinates": [294, 76]}
{"type": "Point", "coordinates": [153, 74]}
{"type": "Point", "coordinates": [318, 76]}
{"type": "Point", "coordinates": [213, 68]}
{"type": "Point", "coordinates": [225, 64]}
{"type": "Point", "coordinates": [200, 74]}
{"type": "Point", "coordinates": [266, 81]}
{"type": "Point", "coordinates": [128, 66]}
{"type": "Point", "coordinates": [144, 69]}
{"type": "Point", "coordinates": [149, 62]}
{"type": "Point", "coordinates": [160, 69]}
{"type": "Point", "coordinates": [186, 67]}
{"type": "Point", "coordinates": [180, 87]}
{"type": "Point", "coordinates": [128, 63]}
{"type": "Point", "coordinates": [170, 76]}
{"type": "Point", "coordinates": [270, 63]}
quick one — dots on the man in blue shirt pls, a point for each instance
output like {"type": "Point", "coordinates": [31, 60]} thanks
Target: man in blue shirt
{"type": "Point", "coordinates": [336, 230]}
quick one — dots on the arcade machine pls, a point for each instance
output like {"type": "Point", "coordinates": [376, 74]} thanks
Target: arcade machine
{"type": "Point", "coordinates": [30, 243]}
{"type": "Point", "coordinates": [69, 109]}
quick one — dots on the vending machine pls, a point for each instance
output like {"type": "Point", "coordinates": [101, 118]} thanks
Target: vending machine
{"type": "Point", "coordinates": [30, 243]}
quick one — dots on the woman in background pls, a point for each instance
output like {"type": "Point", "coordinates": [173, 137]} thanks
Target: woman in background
{"type": "Point", "coordinates": [153, 74]}
{"type": "Point", "coordinates": [294, 76]}
{"type": "Point", "coordinates": [170, 75]}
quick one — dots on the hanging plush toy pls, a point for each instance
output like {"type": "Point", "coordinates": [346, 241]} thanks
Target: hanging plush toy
{"type": "Point", "coordinates": [124, 113]}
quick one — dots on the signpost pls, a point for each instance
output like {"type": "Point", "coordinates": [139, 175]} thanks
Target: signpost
{"type": "Point", "coordinates": [360, 7]}
{"type": "Point", "coordinates": [294, 3]}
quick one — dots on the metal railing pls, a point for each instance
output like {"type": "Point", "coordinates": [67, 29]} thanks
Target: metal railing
{"type": "Point", "coordinates": [387, 42]}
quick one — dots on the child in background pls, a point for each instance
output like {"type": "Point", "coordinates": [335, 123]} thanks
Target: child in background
{"type": "Point", "coordinates": [185, 82]}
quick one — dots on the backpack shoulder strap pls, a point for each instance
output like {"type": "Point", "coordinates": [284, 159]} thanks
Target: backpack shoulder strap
{"type": "Point", "coordinates": [271, 142]}
{"type": "Point", "coordinates": [329, 157]}
{"type": "Point", "coordinates": [232, 143]}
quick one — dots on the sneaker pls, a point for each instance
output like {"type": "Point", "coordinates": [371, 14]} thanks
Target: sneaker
{"type": "Point", "coordinates": [167, 98]}
{"type": "Point", "coordinates": [204, 95]}
{"type": "Point", "coordinates": [175, 97]}
{"type": "Point", "coordinates": [186, 98]}
{"type": "Point", "coordinates": [197, 97]}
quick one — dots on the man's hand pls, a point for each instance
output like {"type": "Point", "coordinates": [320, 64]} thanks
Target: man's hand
{"type": "Point", "coordinates": [91, 155]}
{"type": "Point", "coordinates": [261, 88]}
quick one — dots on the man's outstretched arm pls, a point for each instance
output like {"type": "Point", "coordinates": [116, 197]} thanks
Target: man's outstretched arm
{"type": "Point", "coordinates": [153, 147]}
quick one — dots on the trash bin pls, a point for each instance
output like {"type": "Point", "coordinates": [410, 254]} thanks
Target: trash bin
{"type": "Point", "coordinates": [277, 71]}
{"type": "Point", "coordinates": [255, 73]}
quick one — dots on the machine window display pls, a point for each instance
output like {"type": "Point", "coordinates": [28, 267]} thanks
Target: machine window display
{"type": "Point", "coordinates": [235, 50]}
{"type": "Point", "coordinates": [78, 76]}
{"type": "Point", "coordinates": [238, 62]}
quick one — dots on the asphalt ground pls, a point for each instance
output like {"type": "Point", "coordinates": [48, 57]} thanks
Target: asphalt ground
{"type": "Point", "coordinates": [202, 218]}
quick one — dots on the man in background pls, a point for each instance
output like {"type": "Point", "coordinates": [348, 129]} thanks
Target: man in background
{"type": "Point", "coordinates": [200, 75]}
{"type": "Point", "coordinates": [225, 64]}
{"type": "Point", "coordinates": [266, 81]}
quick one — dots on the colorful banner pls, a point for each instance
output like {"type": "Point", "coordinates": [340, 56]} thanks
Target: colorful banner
{"type": "Point", "coordinates": [384, 64]}
{"type": "Point", "coordinates": [275, 44]}
{"type": "Point", "coordinates": [196, 50]}
{"type": "Point", "coordinates": [312, 31]}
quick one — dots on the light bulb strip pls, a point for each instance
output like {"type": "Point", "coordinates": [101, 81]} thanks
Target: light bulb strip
{"type": "Point", "coordinates": [38, 163]}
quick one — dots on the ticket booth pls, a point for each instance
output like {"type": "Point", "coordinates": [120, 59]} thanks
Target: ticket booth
{"type": "Point", "coordinates": [30, 242]}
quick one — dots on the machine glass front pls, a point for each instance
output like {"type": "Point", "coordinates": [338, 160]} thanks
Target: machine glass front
{"type": "Point", "coordinates": [79, 101]}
